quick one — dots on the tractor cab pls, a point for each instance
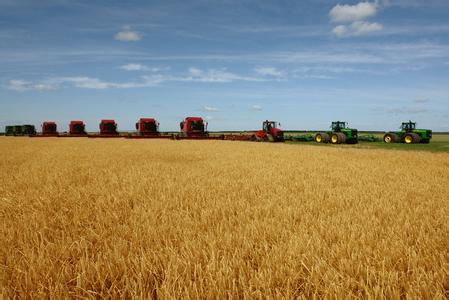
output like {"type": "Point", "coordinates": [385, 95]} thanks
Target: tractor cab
{"type": "Point", "coordinates": [269, 125]}
{"type": "Point", "coordinates": [270, 132]}
{"type": "Point", "coordinates": [338, 126]}
{"type": "Point", "coordinates": [408, 126]}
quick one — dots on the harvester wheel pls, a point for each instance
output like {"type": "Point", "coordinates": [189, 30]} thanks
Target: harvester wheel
{"type": "Point", "coordinates": [338, 138]}
{"type": "Point", "coordinates": [411, 138]}
{"type": "Point", "coordinates": [390, 138]}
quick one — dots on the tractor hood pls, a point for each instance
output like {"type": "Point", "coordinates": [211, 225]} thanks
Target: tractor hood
{"type": "Point", "coordinates": [276, 132]}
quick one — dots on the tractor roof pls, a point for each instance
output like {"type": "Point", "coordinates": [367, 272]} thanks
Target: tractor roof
{"type": "Point", "coordinates": [76, 122]}
{"type": "Point", "coordinates": [107, 121]}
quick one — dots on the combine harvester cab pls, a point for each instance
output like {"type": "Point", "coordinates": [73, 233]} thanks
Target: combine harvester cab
{"type": "Point", "coordinates": [108, 129]}
{"type": "Point", "coordinates": [17, 130]}
{"type": "Point", "coordinates": [147, 128]}
{"type": "Point", "coordinates": [195, 128]}
{"type": "Point", "coordinates": [409, 134]}
{"type": "Point", "coordinates": [340, 134]}
{"type": "Point", "coordinates": [270, 132]}
{"type": "Point", "coordinates": [49, 129]}
{"type": "Point", "coordinates": [76, 129]}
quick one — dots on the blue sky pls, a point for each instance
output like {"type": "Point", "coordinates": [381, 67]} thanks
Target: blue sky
{"type": "Point", "coordinates": [236, 63]}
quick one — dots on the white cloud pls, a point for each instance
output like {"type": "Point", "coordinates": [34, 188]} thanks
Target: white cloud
{"type": "Point", "coordinates": [210, 108]}
{"type": "Point", "coordinates": [269, 71]}
{"type": "Point", "coordinates": [128, 35]}
{"type": "Point", "coordinates": [421, 100]}
{"type": "Point", "coordinates": [256, 107]}
{"type": "Point", "coordinates": [358, 28]}
{"type": "Point", "coordinates": [22, 85]}
{"type": "Point", "coordinates": [134, 67]}
{"type": "Point", "coordinates": [350, 13]}
{"type": "Point", "coordinates": [213, 75]}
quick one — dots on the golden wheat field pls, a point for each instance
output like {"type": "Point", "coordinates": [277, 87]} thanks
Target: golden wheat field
{"type": "Point", "coordinates": [215, 219]}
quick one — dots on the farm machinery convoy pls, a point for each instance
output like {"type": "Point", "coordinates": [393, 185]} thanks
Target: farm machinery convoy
{"type": "Point", "coordinates": [195, 128]}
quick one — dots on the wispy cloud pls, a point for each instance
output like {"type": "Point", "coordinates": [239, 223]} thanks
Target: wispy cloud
{"type": "Point", "coordinates": [269, 71]}
{"type": "Point", "coordinates": [128, 35]}
{"type": "Point", "coordinates": [23, 85]}
{"type": "Point", "coordinates": [256, 107]}
{"type": "Point", "coordinates": [134, 67]}
{"type": "Point", "coordinates": [358, 28]}
{"type": "Point", "coordinates": [207, 108]}
{"type": "Point", "coordinates": [86, 82]}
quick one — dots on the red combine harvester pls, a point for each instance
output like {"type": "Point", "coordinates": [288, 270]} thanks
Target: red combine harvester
{"type": "Point", "coordinates": [148, 128]}
{"type": "Point", "coordinates": [196, 129]}
{"type": "Point", "coordinates": [49, 129]}
{"type": "Point", "coordinates": [76, 129]}
{"type": "Point", "coordinates": [108, 129]}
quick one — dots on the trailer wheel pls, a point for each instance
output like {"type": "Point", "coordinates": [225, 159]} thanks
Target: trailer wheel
{"type": "Point", "coordinates": [411, 138]}
{"type": "Point", "coordinates": [390, 138]}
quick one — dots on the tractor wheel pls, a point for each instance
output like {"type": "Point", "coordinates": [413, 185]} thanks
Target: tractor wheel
{"type": "Point", "coordinates": [253, 138]}
{"type": "Point", "coordinates": [338, 138]}
{"type": "Point", "coordinates": [390, 138]}
{"type": "Point", "coordinates": [322, 138]}
{"type": "Point", "coordinates": [411, 138]}
{"type": "Point", "coordinates": [270, 138]}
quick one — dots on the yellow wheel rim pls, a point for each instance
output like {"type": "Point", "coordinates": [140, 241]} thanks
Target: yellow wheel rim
{"type": "Point", "coordinates": [408, 139]}
{"type": "Point", "coordinates": [318, 138]}
{"type": "Point", "coordinates": [334, 139]}
{"type": "Point", "coordinates": [388, 139]}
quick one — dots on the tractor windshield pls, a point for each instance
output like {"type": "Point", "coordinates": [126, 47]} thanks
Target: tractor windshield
{"type": "Point", "coordinates": [268, 125]}
{"type": "Point", "coordinates": [336, 126]}
{"type": "Point", "coordinates": [408, 126]}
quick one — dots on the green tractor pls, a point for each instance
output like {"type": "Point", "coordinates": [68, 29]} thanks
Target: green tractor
{"type": "Point", "coordinates": [409, 134]}
{"type": "Point", "coordinates": [340, 134]}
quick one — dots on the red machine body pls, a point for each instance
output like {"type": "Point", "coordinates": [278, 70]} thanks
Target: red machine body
{"type": "Point", "coordinates": [49, 129]}
{"type": "Point", "coordinates": [147, 127]}
{"type": "Point", "coordinates": [270, 132]}
{"type": "Point", "coordinates": [193, 127]}
{"type": "Point", "coordinates": [108, 128]}
{"type": "Point", "coordinates": [77, 128]}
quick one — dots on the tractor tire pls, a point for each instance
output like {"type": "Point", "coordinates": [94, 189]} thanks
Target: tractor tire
{"type": "Point", "coordinates": [338, 138]}
{"type": "Point", "coordinates": [253, 138]}
{"type": "Point", "coordinates": [411, 138]}
{"type": "Point", "coordinates": [391, 138]}
{"type": "Point", "coordinates": [322, 138]}
{"type": "Point", "coordinates": [270, 138]}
